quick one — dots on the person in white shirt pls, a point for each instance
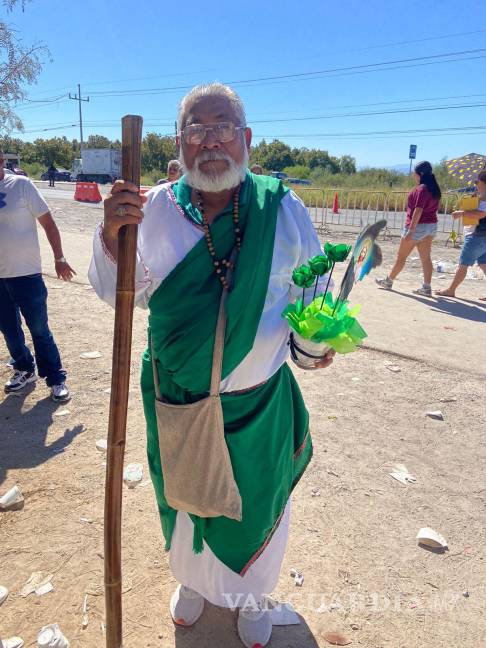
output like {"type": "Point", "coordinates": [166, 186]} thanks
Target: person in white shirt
{"type": "Point", "coordinates": [22, 289]}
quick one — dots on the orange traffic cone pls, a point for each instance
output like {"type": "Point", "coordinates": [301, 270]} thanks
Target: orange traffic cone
{"type": "Point", "coordinates": [335, 204]}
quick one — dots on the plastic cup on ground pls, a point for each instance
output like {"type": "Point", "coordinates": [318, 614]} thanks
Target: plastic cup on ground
{"type": "Point", "coordinates": [51, 637]}
{"type": "Point", "coordinates": [13, 642]}
{"type": "Point", "coordinates": [3, 594]}
{"type": "Point", "coordinates": [12, 500]}
{"type": "Point", "coordinates": [133, 475]}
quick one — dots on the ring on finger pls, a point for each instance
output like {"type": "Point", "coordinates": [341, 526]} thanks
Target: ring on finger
{"type": "Point", "coordinates": [121, 211]}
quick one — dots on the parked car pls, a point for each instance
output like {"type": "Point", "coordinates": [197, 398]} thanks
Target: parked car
{"type": "Point", "coordinates": [62, 175]}
{"type": "Point", "coordinates": [300, 181]}
{"type": "Point", "coordinates": [16, 169]}
{"type": "Point", "coordinates": [280, 175]}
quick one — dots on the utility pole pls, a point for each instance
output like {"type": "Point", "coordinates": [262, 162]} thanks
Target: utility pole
{"type": "Point", "coordinates": [79, 100]}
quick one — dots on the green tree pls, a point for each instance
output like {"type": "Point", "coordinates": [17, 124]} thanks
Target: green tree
{"type": "Point", "coordinates": [274, 156]}
{"type": "Point", "coordinates": [317, 158]}
{"type": "Point", "coordinates": [157, 150]}
{"type": "Point", "coordinates": [98, 141]}
{"type": "Point", "coordinates": [298, 171]}
{"type": "Point", "coordinates": [20, 65]}
{"type": "Point", "coordinates": [11, 144]}
{"type": "Point", "coordinates": [57, 150]}
{"type": "Point", "coordinates": [347, 164]}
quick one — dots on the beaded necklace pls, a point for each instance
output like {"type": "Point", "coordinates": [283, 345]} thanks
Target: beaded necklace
{"type": "Point", "coordinates": [219, 264]}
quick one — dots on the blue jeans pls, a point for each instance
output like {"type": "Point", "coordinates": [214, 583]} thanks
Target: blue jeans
{"type": "Point", "coordinates": [28, 295]}
{"type": "Point", "coordinates": [422, 231]}
{"type": "Point", "coordinates": [474, 249]}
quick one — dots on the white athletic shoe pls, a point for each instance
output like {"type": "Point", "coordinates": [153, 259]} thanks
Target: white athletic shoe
{"type": "Point", "coordinates": [19, 380]}
{"type": "Point", "coordinates": [254, 627]}
{"type": "Point", "coordinates": [186, 606]}
{"type": "Point", "coordinates": [385, 283]}
{"type": "Point", "coordinates": [60, 393]}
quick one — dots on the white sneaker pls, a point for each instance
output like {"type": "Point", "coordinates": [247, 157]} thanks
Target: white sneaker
{"type": "Point", "coordinates": [254, 627]}
{"type": "Point", "coordinates": [426, 291]}
{"type": "Point", "coordinates": [385, 283]}
{"type": "Point", "coordinates": [186, 606]}
{"type": "Point", "coordinates": [19, 380]}
{"type": "Point", "coordinates": [60, 393]}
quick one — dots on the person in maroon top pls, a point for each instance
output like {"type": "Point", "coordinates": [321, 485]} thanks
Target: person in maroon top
{"type": "Point", "coordinates": [420, 228]}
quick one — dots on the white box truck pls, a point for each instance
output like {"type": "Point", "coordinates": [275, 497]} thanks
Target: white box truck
{"type": "Point", "coordinates": [98, 165]}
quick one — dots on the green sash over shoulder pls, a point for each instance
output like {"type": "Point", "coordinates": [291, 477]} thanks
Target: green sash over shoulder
{"type": "Point", "coordinates": [184, 309]}
{"type": "Point", "coordinates": [267, 428]}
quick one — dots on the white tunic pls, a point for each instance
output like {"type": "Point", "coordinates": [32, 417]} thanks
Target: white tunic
{"type": "Point", "coordinates": [165, 237]}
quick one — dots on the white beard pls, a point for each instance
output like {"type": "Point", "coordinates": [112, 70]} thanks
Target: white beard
{"type": "Point", "coordinates": [215, 182]}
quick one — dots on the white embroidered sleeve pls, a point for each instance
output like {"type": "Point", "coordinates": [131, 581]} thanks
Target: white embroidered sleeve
{"type": "Point", "coordinates": [309, 244]}
{"type": "Point", "coordinates": [102, 274]}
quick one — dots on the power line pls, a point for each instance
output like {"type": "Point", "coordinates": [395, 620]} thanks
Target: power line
{"type": "Point", "coordinates": [358, 49]}
{"type": "Point", "coordinates": [79, 100]}
{"type": "Point", "coordinates": [152, 123]}
{"type": "Point", "coordinates": [419, 40]}
{"type": "Point", "coordinates": [375, 112]}
{"type": "Point", "coordinates": [414, 131]}
{"type": "Point", "coordinates": [309, 75]}
{"type": "Point", "coordinates": [167, 121]}
{"type": "Point", "coordinates": [53, 128]}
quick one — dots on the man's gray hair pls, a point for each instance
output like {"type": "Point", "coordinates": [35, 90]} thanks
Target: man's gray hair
{"type": "Point", "coordinates": [173, 164]}
{"type": "Point", "coordinates": [214, 89]}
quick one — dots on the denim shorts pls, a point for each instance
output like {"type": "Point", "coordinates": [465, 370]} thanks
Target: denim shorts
{"type": "Point", "coordinates": [474, 249]}
{"type": "Point", "coordinates": [422, 231]}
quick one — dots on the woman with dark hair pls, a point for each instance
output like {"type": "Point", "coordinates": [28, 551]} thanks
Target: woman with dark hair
{"type": "Point", "coordinates": [420, 228]}
{"type": "Point", "coordinates": [474, 248]}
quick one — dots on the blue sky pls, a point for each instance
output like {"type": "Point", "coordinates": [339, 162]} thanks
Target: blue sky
{"type": "Point", "coordinates": [148, 47]}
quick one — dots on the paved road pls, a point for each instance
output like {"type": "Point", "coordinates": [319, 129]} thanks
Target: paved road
{"type": "Point", "coordinates": [362, 217]}
{"type": "Point", "coordinates": [63, 190]}
{"type": "Point", "coordinates": [353, 218]}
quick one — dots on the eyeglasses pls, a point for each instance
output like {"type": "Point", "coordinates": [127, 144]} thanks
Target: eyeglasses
{"type": "Point", "coordinates": [223, 132]}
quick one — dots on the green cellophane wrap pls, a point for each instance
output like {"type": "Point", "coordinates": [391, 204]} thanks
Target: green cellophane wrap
{"type": "Point", "coordinates": [334, 324]}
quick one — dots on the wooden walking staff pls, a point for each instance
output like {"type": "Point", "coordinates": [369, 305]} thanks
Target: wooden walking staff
{"type": "Point", "coordinates": [120, 379]}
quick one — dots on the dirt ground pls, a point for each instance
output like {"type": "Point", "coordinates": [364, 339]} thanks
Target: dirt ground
{"type": "Point", "coordinates": [353, 527]}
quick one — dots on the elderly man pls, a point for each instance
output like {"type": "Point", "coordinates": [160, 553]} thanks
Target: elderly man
{"type": "Point", "coordinates": [22, 289]}
{"type": "Point", "coordinates": [174, 172]}
{"type": "Point", "coordinates": [218, 220]}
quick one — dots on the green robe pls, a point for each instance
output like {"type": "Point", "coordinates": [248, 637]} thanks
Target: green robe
{"type": "Point", "coordinates": [266, 428]}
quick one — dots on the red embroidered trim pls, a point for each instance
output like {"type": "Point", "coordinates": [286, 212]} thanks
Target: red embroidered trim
{"type": "Point", "coordinates": [105, 249]}
{"type": "Point", "coordinates": [300, 449]}
{"type": "Point", "coordinates": [263, 547]}
{"type": "Point", "coordinates": [171, 193]}
{"type": "Point", "coordinates": [270, 535]}
{"type": "Point", "coordinates": [109, 255]}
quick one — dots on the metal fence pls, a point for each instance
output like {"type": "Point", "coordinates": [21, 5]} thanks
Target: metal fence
{"type": "Point", "coordinates": [356, 208]}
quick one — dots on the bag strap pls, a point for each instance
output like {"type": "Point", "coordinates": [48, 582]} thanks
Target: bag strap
{"type": "Point", "coordinates": [221, 330]}
{"type": "Point", "coordinates": [158, 395]}
{"type": "Point", "coordinates": [218, 349]}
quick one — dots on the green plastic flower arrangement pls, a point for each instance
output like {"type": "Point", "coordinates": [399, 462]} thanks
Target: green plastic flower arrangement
{"type": "Point", "coordinates": [324, 320]}
{"type": "Point", "coordinates": [334, 324]}
{"type": "Point", "coordinates": [303, 277]}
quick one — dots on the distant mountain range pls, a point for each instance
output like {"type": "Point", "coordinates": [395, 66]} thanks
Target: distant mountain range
{"type": "Point", "coordinates": [400, 168]}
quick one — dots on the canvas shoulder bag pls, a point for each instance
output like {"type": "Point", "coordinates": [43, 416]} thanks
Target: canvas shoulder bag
{"type": "Point", "coordinates": [196, 466]}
